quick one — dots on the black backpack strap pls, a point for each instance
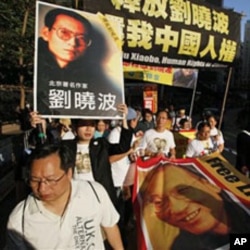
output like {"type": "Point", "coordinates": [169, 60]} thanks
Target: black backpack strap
{"type": "Point", "coordinates": [97, 197]}
{"type": "Point", "coordinates": [23, 219]}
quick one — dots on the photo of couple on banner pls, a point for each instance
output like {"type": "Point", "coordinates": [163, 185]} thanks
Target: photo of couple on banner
{"type": "Point", "coordinates": [181, 204]}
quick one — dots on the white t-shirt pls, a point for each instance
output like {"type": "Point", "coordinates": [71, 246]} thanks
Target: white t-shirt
{"type": "Point", "coordinates": [197, 148]}
{"type": "Point", "coordinates": [68, 136]}
{"type": "Point", "coordinates": [119, 168]}
{"type": "Point", "coordinates": [83, 168]}
{"type": "Point", "coordinates": [158, 142]}
{"type": "Point", "coordinates": [217, 136]}
{"type": "Point", "coordinates": [78, 228]}
{"type": "Point", "coordinates": [178, 119]}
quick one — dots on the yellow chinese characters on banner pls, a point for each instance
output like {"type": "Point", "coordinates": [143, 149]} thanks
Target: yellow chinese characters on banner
{"type": "Point", "coordinates": [163, 75]}
{"type": "Point", "coordinates": [183, 33]}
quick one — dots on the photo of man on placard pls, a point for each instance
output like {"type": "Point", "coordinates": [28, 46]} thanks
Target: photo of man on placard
{"type": "Point", "coordinates": [185, 77]}
{"type": "Point", "coordinates": [202, 214]}
{"type": "Point", "coordinates": [71, 75]}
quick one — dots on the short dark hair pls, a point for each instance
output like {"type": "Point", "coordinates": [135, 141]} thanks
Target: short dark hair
{"type": "Point", "coordinates": [162, 111]}
{"type": "Point", "coordinates": [147, 111]}
{"type": "Point", "coordinates": [202, 125]}
{"type": "Point", "coordinates": [51, 16]}
{"type": "Point", "coordinates": [66, 155]}
{"type": "Point", "coordinates": [212, 116]}
{"type": "Point", "coordinates": [182, 121]}
{"type": "Point", "coordinates": [85, 122]}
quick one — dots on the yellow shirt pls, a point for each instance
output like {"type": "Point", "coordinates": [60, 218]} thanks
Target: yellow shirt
{"type": "Point", "coordinates": [169, 124]}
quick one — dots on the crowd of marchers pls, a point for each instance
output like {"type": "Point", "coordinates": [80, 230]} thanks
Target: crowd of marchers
{"type": "Point", "coordinates": [81, 174]}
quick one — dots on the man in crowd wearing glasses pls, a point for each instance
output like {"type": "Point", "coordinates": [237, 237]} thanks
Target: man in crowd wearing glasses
{"type": "Point", "coordinates": [65, 62]}
{"type": "Point", "coordinates": [61, 213]}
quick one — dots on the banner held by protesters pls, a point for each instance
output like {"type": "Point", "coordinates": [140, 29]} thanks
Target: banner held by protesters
{"type": "Point", "coordinates": [190, 34]}
{"type": "Point", "coordinates": [190, 203]}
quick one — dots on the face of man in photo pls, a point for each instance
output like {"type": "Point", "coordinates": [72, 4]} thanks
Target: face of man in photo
{"type": "Point", "coordinates": [66, 39]}
{"type": "Point", "coordinates": [187, 72]}
{"type": "Point", "coordinates": [186, 201]}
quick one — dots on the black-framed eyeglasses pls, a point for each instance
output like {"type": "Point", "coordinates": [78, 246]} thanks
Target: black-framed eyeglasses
{"type": "Point", "coordinates": [34, 182]}
{"type": "Point", "coordinates": [66, 34]}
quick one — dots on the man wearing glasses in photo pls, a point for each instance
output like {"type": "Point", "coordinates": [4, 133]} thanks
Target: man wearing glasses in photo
{"type": "Point", "coordinates": [61, 213]}
{"type": "Point", "coordinates": [67, 58]}
{"type": "Point", "coordinates": [202, 213]}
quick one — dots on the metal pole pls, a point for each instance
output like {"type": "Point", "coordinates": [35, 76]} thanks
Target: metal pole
{"type": "Point", "coordinates": [225, 97]}
{"type": "Point", "coordinates": [192, 101]}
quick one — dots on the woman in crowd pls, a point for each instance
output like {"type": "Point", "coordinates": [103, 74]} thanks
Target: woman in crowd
{"type": "Point", "coordinates": [147, 121]}
{"type": "Point", "coordinates": [202, 144]}
{"type": "Point", "coordinates": [102, 129]}
{"type": "Point", "coordinates": [216, 134]}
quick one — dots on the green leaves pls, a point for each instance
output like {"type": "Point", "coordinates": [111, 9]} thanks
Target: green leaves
{"type": "Point", "coordinates": [13, 22]}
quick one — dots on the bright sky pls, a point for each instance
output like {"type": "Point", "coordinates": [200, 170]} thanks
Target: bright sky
{"type": "Point", "coordinates": [240, 6]}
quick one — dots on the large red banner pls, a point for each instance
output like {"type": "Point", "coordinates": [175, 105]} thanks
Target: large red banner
{"type": "Point", "coordinates": [190, 204]}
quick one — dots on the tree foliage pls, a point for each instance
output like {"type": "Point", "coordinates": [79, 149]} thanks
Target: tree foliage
{"type": "Point", "coordinates": [12, 38]}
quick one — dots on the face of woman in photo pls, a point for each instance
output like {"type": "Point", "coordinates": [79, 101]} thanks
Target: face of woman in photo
{"type": "Point", "coordinates": [86, 162]}
{"type": "Point", "coordinates": [186, 201]}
